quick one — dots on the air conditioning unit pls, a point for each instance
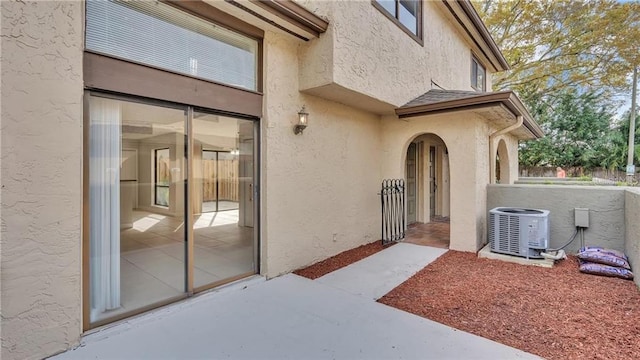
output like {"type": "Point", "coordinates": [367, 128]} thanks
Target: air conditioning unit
{"type": "Point", "coordinates": [519, 232]}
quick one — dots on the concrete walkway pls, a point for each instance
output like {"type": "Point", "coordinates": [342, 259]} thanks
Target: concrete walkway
{"type": "Point", "coordinates": [291, 317]}
{"type": "Point", "coordinates": [376, 275]}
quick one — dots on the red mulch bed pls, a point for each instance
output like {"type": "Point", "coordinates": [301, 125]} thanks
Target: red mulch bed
{"type": "Point", "coordinates": [556, 313]}
{"type": "Point", "coordinates": [341, 260]}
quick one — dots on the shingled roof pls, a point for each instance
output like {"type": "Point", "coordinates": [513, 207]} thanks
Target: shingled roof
{"type": "Point", "coordinates": [435, 95]}
{"type": "Point", "coordinates": [438, 101]}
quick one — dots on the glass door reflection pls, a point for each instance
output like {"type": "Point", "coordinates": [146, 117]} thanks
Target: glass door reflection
{"type": "Point", "coordinates": [136, 205]}
{"type": "Point", "coordinates": [222, 199]}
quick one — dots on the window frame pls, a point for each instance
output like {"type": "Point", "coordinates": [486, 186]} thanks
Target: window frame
{"type": "Point", "coordinates": [126, 80]}
{"type": "Point", "coordinates": [156, 185]}
{"type": "Point", "coordinates": [419, 26]}
{"type": "Point", "coordinates": [475, 64]}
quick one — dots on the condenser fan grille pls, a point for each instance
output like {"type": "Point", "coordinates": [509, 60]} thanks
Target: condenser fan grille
{"type": "Point", "coordinates": [521, 232]}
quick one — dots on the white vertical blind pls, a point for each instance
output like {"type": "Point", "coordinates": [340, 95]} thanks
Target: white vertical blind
{"type": "Point", "coordinates": [157, 34]}
{"type": "Point", "coordinates": [104, 200]}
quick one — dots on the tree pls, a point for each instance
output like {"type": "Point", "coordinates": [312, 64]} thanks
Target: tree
{"type": "Point", "coordinates": [577, 128]}
{"type": "Point", "coordinates": [616, 155]}
{"type": "Point", "coordinates": [562, 52]}
{"type": "Point", "coordinates": [555, 45]}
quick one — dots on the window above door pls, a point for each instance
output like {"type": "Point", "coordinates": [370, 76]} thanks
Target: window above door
{"type": "Point", "coordinates": [157, 34]}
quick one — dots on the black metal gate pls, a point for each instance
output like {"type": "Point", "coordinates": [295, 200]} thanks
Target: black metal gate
{"type": "Point", "coordinates": [393, 212]}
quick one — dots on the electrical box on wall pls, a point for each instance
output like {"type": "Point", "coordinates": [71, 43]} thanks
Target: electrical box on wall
{"type": "Point", "coordinates": [582, 217]}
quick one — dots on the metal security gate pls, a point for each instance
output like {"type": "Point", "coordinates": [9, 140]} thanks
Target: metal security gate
{"type": "Point", "coordinates": [393, 212]}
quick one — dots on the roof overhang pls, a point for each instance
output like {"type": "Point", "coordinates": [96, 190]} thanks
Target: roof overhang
{"type": "Point", "coordinates": [503, 107]}
{"type": "Point", "coordinates": [469, 19]}
{"type": "Point", "coordinates": [284, 15]}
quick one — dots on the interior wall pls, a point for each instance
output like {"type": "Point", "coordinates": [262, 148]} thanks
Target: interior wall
{"type": "Point", "coordinates": [319, 189]}
{"type": "Point", "coordinates": [41, 176]}
{"type": "Point", "coordinates": [198, 182]}
{"type": "Point", "coordinates": [146, 159]}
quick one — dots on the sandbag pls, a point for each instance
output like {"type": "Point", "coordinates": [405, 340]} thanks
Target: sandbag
{"type": "Point", "coordinates": [617, 253]}
{"type": "Point", "coordinates": [604, 258]}
{"type": "Point", "coordinates": [605, 270]}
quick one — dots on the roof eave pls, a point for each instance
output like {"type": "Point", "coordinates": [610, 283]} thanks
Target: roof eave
{"type": "Point", "coordinates": [479, 33]}
{"type": "Point", "coordinates": [473, 15]}
{"type": "Point", "coordinates": [507, 98]}
{"type": "Point", "coordinates": [295, 14]}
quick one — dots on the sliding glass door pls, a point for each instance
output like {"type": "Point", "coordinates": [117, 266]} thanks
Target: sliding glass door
{"type": "Point", "coordinates": [224, 245]}
{"type": "Point", "coordinates": [150, 241]}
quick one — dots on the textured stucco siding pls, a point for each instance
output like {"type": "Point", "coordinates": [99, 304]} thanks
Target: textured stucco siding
{"type": "Point", "coordinates": [382, 61]}
{"type": "Point", "coordinates": [512, 148]}
{"type": "Point", "coordinates": [41, 158]}
{"type": "Point", "coordinates": [606, 211]}
{"type": "Point", "coordinates": [465, 135]}
{"type": "Point", "coordinates": [319, 189]}
{"type": "Point", "coordinates": [632, 229]}
{"type": "Point", "coordinates": [511, 145]}
{"type": "Point", "coordinates": [482, 170]}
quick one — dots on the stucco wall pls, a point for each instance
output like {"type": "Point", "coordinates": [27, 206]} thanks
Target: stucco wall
{"type": "Point", "coordinates": [632, 229]}
{"type": "Point", "coordinates": [465, 135]}
{"type": "Point", "coordinates": [508, 169]}
{"type": "Point", "coordinates": [606, 211]}
{"type": "Point", "coordinates": [384, 62]}
{"type": "Point", "coordinates": [319, 189]}
{"type": "Point", "coordinates": [41, 177]}
{"type": "Point", "coordinates": [481, 169]}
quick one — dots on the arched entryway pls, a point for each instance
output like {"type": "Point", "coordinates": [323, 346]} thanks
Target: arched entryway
{"type": "Point", "coordinates": [427, 191]}
{"type": "Point", "coordinates": [503, 173]}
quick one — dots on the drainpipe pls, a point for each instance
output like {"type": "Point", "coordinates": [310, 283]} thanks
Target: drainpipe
{"type": "Point", "coordinates": [492, 168]}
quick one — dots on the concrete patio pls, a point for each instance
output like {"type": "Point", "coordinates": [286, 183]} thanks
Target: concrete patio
{"type": "Point", "coordinates": [291, 317]}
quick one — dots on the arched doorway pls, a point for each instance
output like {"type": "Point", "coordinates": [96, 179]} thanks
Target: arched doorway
{"type": "Point", "coordinates": [427, 191]}
{"type": "Point", "coordinates": [503, 175]}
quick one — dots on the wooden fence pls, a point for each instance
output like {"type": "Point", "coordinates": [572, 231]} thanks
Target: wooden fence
{"type": "Point", "coordinates": [602, 173]}
{"type": "Point", "coordinates": [227, 180]}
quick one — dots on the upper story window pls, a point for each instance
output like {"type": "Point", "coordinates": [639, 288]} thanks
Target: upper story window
{"type": "Point", "coordinates": [478, 75]}
{"type": "Point", "coordinates": [405, 13]}
{"type": "Point", "coordinates": [156, 34]}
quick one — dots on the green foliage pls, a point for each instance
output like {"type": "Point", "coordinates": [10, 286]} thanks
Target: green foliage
{"type": "Point", "coordinates": [618, 139]}
{"type": "Point", "coordinates": [568, 59]}
{"type": "Point", "coordinates": [577, 128]}
{"type": "Point", "coordinates": [555, 45]}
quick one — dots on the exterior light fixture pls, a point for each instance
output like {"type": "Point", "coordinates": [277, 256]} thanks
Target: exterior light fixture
{"type": "Point", "coordinates": [303, 121]}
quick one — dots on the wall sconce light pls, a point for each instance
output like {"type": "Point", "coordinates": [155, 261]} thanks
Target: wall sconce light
{"type": "Point", "coordinates": [303, 121]}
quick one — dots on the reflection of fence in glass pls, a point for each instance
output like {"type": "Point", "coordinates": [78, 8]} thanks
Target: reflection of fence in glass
{"type": "Point", "coordinates": [227, 177]}
{"type": "Point", "coordinates": [162, 177]}
{"type": "Point", "coordinates": [164, 171]}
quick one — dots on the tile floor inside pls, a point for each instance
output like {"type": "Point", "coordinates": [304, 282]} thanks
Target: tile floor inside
{"type": "Point", "coordinates": [435, 233]}
{"type": "Point", "coordinates": [152, 256]}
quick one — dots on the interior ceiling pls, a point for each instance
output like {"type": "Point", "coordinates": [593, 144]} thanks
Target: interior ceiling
{"type": "Point", "coordinates": [140, 121]}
